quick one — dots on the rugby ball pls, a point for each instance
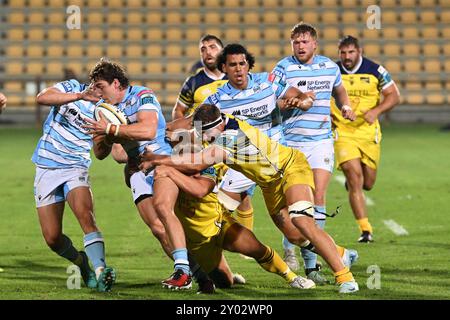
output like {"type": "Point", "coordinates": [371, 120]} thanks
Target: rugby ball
{"type": "Point", "coordinates": [111, 113]}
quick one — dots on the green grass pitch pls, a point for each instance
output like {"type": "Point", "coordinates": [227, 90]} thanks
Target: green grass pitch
{"type": "Point", "coordinates": [413, 189]}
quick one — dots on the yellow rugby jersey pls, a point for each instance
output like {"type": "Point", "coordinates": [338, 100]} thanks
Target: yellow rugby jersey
{"type": "Point", "coordinates": [252, 152]}
{"type": "Point", "coordinates": [202, 218]}
{"type": "Point", "coordinates": [364, 86]}
{"type": "Point", "coordinates": [197, 88]}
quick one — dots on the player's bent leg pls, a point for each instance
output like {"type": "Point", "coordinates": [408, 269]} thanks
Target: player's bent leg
{"type": "Point", "coordinates": [81, 203]}
{"type": "Point", "coordinates": [144, 204]}
{"type": "Point", "coordinates": [50, 219]}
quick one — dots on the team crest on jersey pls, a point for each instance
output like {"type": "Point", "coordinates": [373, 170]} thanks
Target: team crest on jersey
{"type": "Point", "coordinates": [322, 65]}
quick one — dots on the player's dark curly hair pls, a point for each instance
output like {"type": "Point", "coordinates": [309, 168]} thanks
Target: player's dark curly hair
{"type": "Point", "coordinates": [206, 113]}
{"type": "Point", "coordinates": [347, 41]}
{"type": "Point", "coordinates": [303, 27]}
{"type": "Point", "coordinates": [234, 48]}
{"type": "Point", "coordinates": [109, 70]}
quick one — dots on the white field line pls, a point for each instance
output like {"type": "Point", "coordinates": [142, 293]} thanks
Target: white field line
{"type": "Point", "coordinates": [341, 180]}
{"type": "Point", "coordinates": [395, 228]}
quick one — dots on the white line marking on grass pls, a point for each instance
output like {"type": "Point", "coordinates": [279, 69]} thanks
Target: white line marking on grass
{"type": "Point", "coordinates": [341, 180]}
{"type": "Point", "coordinates": [395, 228]}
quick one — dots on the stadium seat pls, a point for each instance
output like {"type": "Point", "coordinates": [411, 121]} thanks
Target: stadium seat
{"type": "Point", "coordinates": [115, 18]}
{"type": "Point", "coordinates": [55, 50]}
{"type": "Point", "coordinates": [194, 4]}
{"type": "Point", "coordinates": [389, 17]}
{"type": "Point", "coordinates": [291, 18]}
{"type": "Point", "coordinates": [233, 34]}
{"type": "Point", "coordinates": [271, 33]}
{"type": "Point", "coordinates": [35, 51]}
{"type": "Point", "coordinates": [255, 49]}
{"type": "Point", "coordinates": [173, 17]}
{"type": "Point", "coordinates": [14, 51]}
{"type": "Point", "coordinates": [118, 4]}
{"type": "Point", "coordinates": [287, 49]}
{"type": "Point", "coordinates": [444, 16]}
{"type": "Point", "coordinates": [432, 66]}
{"type": "Point", "coordinates": [351, 31]}
{"type": "Point", "coordinates": [94, 18]}
{"type": "Point", "coordinates": [135, 18]}
{"type": "Point", "coordinates": [134, 51]}
{"type": "Point", "coordinates": [75, 35]}
{"type": "Point", "coordinates": [16, 18]}
{"type": "Point", "coordinates": [415, 98]}
{"type": "Point", "coordinates": [252, 3]}
{"type": "Point", "coordinates": [152, 34]}
{"type": "Point", "coordinates": [412, 66]}
{"type": "Point", "coordinates": [349, 3]}
{"type": "Point", "coordinates": [270, 17]}
{"type": "Point", "coordinates": [372, 49]}
{"type": "Point", "coordinates": [13, 86]}
{"type": "Point", "coordinates": [250, 34]}
{"type": "Point", "coordinates": [433, 85]}
{"type": "Point", "coordinates": [329, 34]}
{"type": "Point", "coordinates": [310, 16]}
{"type": "Point", "coordinates": [393, 66]}
{"type": "Point", "coordinates": [431, 50]}
{"type": "Point", "coordinates": [135, 68]}
{"type": "Point", "coordinates": [55, 34]}
{"type": "Point", "coordinates": [192, 51]}
{"type": "Point", "coordinates": [75, 66]}
{"type": "Point", "coordinates": [174, 33]}
{"type": "Point", "coordinates": [392, 49]}
{"type": "Point", "coordinates": [95, 34]}
{"type": "Point", "coordinates": [409, 17]}
{"type": "Point", "coordinates": [408, 3]}
{"type": "Point", "coordinates": [175, 66]}
{"type": "Point", "coordinates": [16, 34]}
{"type": "Point", "coordinates": [350, 17]}
{"type": "Point", "coordinates": [154, 85]}
{"type": "Point", "coordinates": [232, 18]}
{"type": "Point", "coordinates": [413, 85]}
{"type": "Point", "coordinates": [193, 17]}
{"type": "Point", "coordinates": [57, 18]}
{"type": "Point", "coordinates": [429, 32]}
{"type": "Point", "coordinates": [411, 49]}
{"type": "Point", "coordinates": [34, 68]}
{"type": "Point", "coordinates": [216, 4]}
{"type": "Point", "coordinates": [154, 67]}
{"type": "Point", "coordinates": [18, 4]}
{"type": "Point", "coordinates": [428, 16]}
{"type": "Point", "coordinates": [391, 33]}
{"type": "Point", "coordinates": [212, 17]}
{"type": "Point", "coordinates": [14, 68]}
{"type": "Point", "coordinates": [154, 18]}
{"type": "Point", "coordinates": [116, 34]}
{"type": "Point", "coordinates": [114, 51]}
{"type": "Point", "coordinates": [447, 69]}
{"type": "Point", "coordinates": [329, 17]}
{"type": "Point", "coordinates": [251, 17]}
{"type": "Point", "coordinates": [410, 33]}
{"type": "Point", "coordinates": [74, 51]}
{"type": "Point", "coordinates": [435, 97]}
{"type": "Point", "coordinates": [272, 51]}
{"type": "Point", "coordinates": [54, 68]}
{"type": "Point", "coordinates": [154, 51]}
{"type": "Point", "coordinates": [193, 34]}
{"type": "Point", "coordinates": [36, 18]}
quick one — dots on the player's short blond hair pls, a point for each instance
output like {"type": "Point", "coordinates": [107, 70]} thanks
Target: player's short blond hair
{"type": "Point", "coordinates": [301, 28]}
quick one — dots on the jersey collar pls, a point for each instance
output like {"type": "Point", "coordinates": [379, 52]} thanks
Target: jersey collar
{"type": "Point", "coordinates": [356, 68]}
{"type": "Point", "coordinates": [212, 76]}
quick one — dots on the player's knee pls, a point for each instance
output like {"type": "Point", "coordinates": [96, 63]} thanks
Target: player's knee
{"type": "Point", "coordinates": [368, 186]}
{"type": "Point", "coordinates": [301, 209]}
{"type": "Point", "coordinates": [54, 241]}
{"type": "Point", "coordinates": [158, 231]}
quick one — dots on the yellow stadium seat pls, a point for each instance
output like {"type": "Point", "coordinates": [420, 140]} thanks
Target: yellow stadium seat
{"type": "Point", "coordinates": [134, 51]}
{"type": "Point", "coordinates": [119, 3]}
{"type": "Point", "coordinates": [154, 51]}
{"type": "Point", "coordinates": [349, 3]}
{"type": "Point", "coordinates": [251, 3]}
{"type": "Point", "coordinates": [74, 51]}
{"type": "Point", "coordinates": [135, 68]}
{"type": "Point", "coordinates": [215, 30]}
{"type": "Point", "coordinates": [174, 4]}
{"type": "Point", "coordinates": [154, 85]}
{"type": "Point", "coordinates": [94, 50]}
{"type": "Point", "coordinates": [114, 18]}
{"type": "Point", "coordinates": [292, 17]}
{"type": "Point", "coordinates": [35, 51]}
{"type": "Point", "coordinates": [75, 66]}
{"type": "Point", "coordinates": [435, 98]}
{"type": "Point", "coordinates": [114, 51]}
{"type": "Point", "coordinates": [433, 85]}
{"type": "Point", "coordinates": [330, 51]}
{"type": "Point", "coordinates": [391, 33]}
{"type": "Point", "coordinates": [408, 3]}
{"type": "Point", "coordinates": [369, 34]}
{"type": "Point", "coordinates": [330, 16]}
{"type": "Point", "coordinates": [192, 51]}
{"type": "Point", "coordinates": [410, 33]}
{"type": "Point", "coordinates": [330, 4]}
{"type": "Point", "coordinates": [212, 17]}
{"type": "Point", "coordinates": [428, 16]}
{"type": "Point", "coordinates": [272, 50]}
{"type": "Point", "coordinates": [14, 51]}
{"type": "Point", "coordinates": [233, 34]}
{"type": "Point", "coordinates": [193, 34]}
{"type": "Point", "coordinates": [446, 49]}
{"type": "Point", "coordinates": [251, 17]}
{"type": "Point", "coordinates": [350, 17]}
{"type": "Point", "coordinates": [444, 16]}
{"type": "Point", "coordinates": [270, 17]}
{"type": "Point", "coordinates": [154, 34]}
{"type": "Point", "coordinates": [193, 17]}
{"type": "Point", "coordinates": [430, 32]}
{"type": "Point", "coordinates": [432, 66]}
{"type": "Point", "coordinates": [329, 34]}
{"type": "Point", "coordinates": [389, 17]}
{"type": "Point", "coordinates": [350, 30]}
{"type": "Point", "coordinates": [393, 66]}
{"type": "Point", "coordinates": [95, 34]}
{"type": "Point", "coordinates": [415, 98]}
{"type": "Point", "coordinates": [309, 3]}
{"type": "Point", "coordinates": [95, 4]}
{"type": "Point", "coordinates": [271, 33]}
{"type": "Point", "coordinates": [174, 66]}
{"type": "Point", "coordinates": [58, 18]}
{"type": "Point", "coordinates": [273, 4]}
{"type": "Point", "coordinates": [431, 49]}
{"type": "Point", "coordinates": [134, 18]}
{"type": "Point", "coordinates": [173, 17]}
{"type": "Point", "coordinates": [372, 49]}
{"type": "Point", "coordinates": [55, 50]}
{"type": "Point", "coordinates": [173, 50]}
{"type": "Point", "coordinates": [54, 67]}
{"type": "Point", "coordinates": [447, 69]}
{"type": "Point", "coordinates": [154, 18]}
{"type": "Point", "coordinates": [16, 18]}
{"type": "Point", "coordinates": [18, 4]}
{"type": "Point", "coordinates": [16, 34]}
{"type": "Point", "coordinates": [13, 86]}
{"type": "Point", "coordinates": [218, 4]}
{"type": "Point", "coordinates": [408, 16]}
{"type": "Point", "coordinates": [310, 16]}
{"type": "Point", "coordinates": [136, 3]}
{"type": "Point", "coordinates": [94, 18]}
{"type": "Point", "coordinates": [444, 3]}
{"type": "Point", "coordinates": [412, 65]}
{"type": "Point", "coordinates": [115, 34]}
{"type": "Point", "coordinates": [35, 68]}
{"type": "Point", "coordinates": [392, 49]}
{"type": "Point", "coordinates": [75, 35]}
{"type": "Point", "coordinates": [232, 19]}
{"type": "Point", "coordinates": [411, 49]}
{"type": "Point", "coordinates": [251, 34]}
{"type": "Point", "coordinates": [55, 34]}
{"type": "Point", "coordinates": [413, 85]}
{"type": "Point", "coordinates": [174, 33]}
{"type": "Point", "coordinates": [287, 49]}
{"type": "Point", "coordinates": [194, 4]}
{"type": "Point", "coordinates": [154, 67]}
{"type": "Point", "coordinates": [36, 18]}
{"type": "Point", "coordinates": [135, 34]}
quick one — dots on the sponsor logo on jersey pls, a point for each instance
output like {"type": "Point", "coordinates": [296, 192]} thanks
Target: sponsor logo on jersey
{"type": "Point", "coordinates": [67, 86]}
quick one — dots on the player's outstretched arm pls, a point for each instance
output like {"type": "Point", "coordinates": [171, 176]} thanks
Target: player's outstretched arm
{"type": "Point", "coordinates": [294, 98]}
{"type": "Point", "coordinates": [196, 186]}
{"type": "Point", "coordinates": [189, 163]}
{"type": "Point", "coordinates": [53, 97]}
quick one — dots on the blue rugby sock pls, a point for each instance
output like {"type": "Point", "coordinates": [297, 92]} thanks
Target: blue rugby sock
{"type": "Point", "coordinates": [180, 257]}
{"type": "Point", "coordinates": [287, 245]}
{"type": "Point", "coordinates": [95, 249]}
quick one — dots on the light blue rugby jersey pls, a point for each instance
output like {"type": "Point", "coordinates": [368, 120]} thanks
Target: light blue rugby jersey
{"type": "Point", "coordinates": [65, 144]}
{"type": "Point", "coordinates": [256, 104]}
{"type": "Point", "coordinates": [138, 99]}
{"type": "Point", "coordinates": [321, 76]}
